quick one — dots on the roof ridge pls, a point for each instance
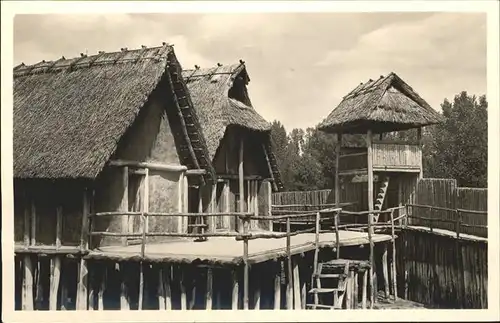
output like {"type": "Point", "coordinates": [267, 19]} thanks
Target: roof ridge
{"type": "Point", "coordinates": [56, 66]}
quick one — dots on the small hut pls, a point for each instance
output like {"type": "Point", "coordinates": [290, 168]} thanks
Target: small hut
{"type": "Point", "coordinates": [238, 141]}
{"type": "Point", "coordinates": [111, 132]}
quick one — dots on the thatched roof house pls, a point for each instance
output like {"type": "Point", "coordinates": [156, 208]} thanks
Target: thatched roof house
{"type": "Point", "coordinates": [384, 105]}
{"type": "Point", "coordinates": [71, 114]}
{"type": "Point", "coordinates": [221, 100]}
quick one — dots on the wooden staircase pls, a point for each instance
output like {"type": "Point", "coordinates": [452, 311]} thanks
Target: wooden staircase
{"type": "Point", "coordinates": [335, 276]}
{"type": "Point", "coordinates": [379, 202]}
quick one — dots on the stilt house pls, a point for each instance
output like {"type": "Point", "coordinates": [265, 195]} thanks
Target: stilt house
{"type": "Point", "coordinates": [238, 141]}
{"type": "Point", "coordinates": [379, 106]}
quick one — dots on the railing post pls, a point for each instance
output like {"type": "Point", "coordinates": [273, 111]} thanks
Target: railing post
{"type": "Point", "coordinates": [289, 296]}
{"type": "Point", "coordinates": [245, 263]}
{"type": "Point", "coordinates": [337, 237]}
{"type": "Point", "coordinates": [457, 215]}
{"type": "Point", "coordinates": [372, 261]}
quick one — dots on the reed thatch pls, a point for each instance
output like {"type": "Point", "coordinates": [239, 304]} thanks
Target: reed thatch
{"type": "Point", "coordinates": [70, 114]}
{"type": "Point", "coordinates": [385, 105]}
{"type": "Point", "coordinates": [220, 97]}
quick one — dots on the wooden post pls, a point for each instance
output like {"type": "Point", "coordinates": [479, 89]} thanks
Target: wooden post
{"type": "Point", "coordinates": [400, 200]}
{"type": "Point", "coordinates": [102, 288]}
{"type": "Point", "coordinates": [296, 286]}
{"type": "Point", "coordinates": [33, 223]}
{"type": "Point", "coordinates": [225, 193]}
{"type": "Point", "coordinates": [255, 203]}
{"type": "Point", "coordinates": [192, 301]}
{"type": "Point", "coordinates": [420, 144]}
{"type": "Point", "coordinates": [394, 259]}
{"type": "Point", "coordinates": [337, 178]}
{"type": "Point", "coordinates": [235, 290]}
{"type": "Point", "coordinates": [245, 264]}
{"type": "Point", "coordinates": [369, 139]}
{"type": "Point", "coordinates": [337, 234]}
{"type": "Point", "coordinates": [55, 276]}
{"type": "Point", "coordinates": [27, 293]}
{"type": "Point", "coordinates": [145, 206]}
{"type": "Point", "coordinates": [180, 201]}
{"type": "Point", "coordinates": [185, 203]}
{"type": "Point", "coordinates": [141, 286]}
{"type": "Point", "coordinates": [256, 294]}
{"type": "Point", "coordinates": [364, 290]}
{"type": "Point", "coordinates": [59, 220]}
{"type": "Point", "coordinates": [241, 181]}
{"type": "Point", "coordinates": [124, 203]}
{"type": "Point", "coordinates": [161, 289]}
{"type": "Point", "coordinates": [277, 287]}
{"type": "Point", "coordinates": [213, 208]}
{"type": "Point", "coordinates": [91, 294]}
{"type": "Point", "coordinates": [348, 291]}
{"type": "Point", "coordinates": [209, 292]}
{"type": "Point", "coordinates": [269, 204]}
{"type": "Point", "coordinates": [355, 287]}
{"type": "Point", "coordinates": [183, 291]}
{"type": "Point", "coordinates": [289, 295]}
{"type": "Point", "coordinates": [27, 216]}
{"type": "Point", "coordinates": [385, 271]}
{"type": "Point", "coordinates": [124, 297]}
{"type": "Point", "coordinates": [39, 286]}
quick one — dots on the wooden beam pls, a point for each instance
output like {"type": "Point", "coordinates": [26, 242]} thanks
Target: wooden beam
{"type": "Point", "coordinates": [81, 295]}
{"type": "Point", "coordinates": [152, 166]}
{"type": "Point", "coordinates": [209, 291]}
{"type": "Point", "coordinates": [124, 204]}
{"type": "Point", "coordinates": [348, 291]}
{"type": "Point", "coordinates": [393, 259]}
{"type": "Point", "coordinates": [192, 172]}
{"type": "Point", "coordinates": [27, 288]}
{"type": "Point", "coordinates": [55, 276]}
{"type": "Point", "coordinates": [39, 286]}
{"type": "Point", "coordinates": [212, 221]}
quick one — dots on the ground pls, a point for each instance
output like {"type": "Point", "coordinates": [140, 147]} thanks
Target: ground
{"type": "Point", "coordinates": [399, 304]}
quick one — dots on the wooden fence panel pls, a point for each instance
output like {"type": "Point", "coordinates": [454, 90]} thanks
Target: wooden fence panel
{"type": "Point", "coordinates": [473, 199]}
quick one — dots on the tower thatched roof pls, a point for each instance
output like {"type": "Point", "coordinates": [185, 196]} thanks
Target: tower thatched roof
{"type": "Point", "coordinates": [384, 105]}
{"type": "Point", "coordinates": [70, 114]}
{"type": "Point", "coordinates": [221, 99]}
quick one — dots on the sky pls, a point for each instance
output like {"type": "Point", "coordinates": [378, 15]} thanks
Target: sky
{"type": "Point", "coordinates": [300, 64]}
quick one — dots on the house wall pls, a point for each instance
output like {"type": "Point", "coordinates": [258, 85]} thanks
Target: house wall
{"type": "Point", "coordinates": [43, 198]}
{"type": "Point", "coordinates": [150, 139]}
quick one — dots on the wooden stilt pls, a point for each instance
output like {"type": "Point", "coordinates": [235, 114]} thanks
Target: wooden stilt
{"type": "Point", "coordinates": [303, 294]}
{"type": "Point", "coordinates": [161, 288]}
{"type": "Point", "coordinates": [235, 291]}
{"type": "Point", "coordinates": [369, 139]}
{"type": "Point", "coordinates": [277, 287]}
{"type": "Point", "coordinates": [141, 286]}
{"type": "Point", "coordinates": [364, 290]}
{"type": "Point", "coordinates": [256, 296]}
{"type": "Point", "coordinates": [192, 301]}
{"type": "Point", "coordinates": [27, 293]}
{"type": "Point", "coordinates": [59, 220]}
{"type": "Point", "coordinates": [183, 292]}
{"type": "Point", "coordinates": [296, 286]}
{"type": "Point", "coordinates": [64, 292]}
{"type": "Point", "coordinates": [209, 295]}
{"type": "Point", "coordinates": [55, 275]}
{"type": "Point", "coordinates": [91, 296]}
{"type": "Point", "coordinates": [355, 290]}
{"type": "Point", "coordinates": [102, 288]}
{"type": "Point", "coordinates": [348, 291]}
{"type": "Point", "coordinates": [124, 297]}
{"type": "Point", "coordinates": [385, 271]}
{"type": "Point", "coordinates": [33, 223]}
{"type": "Point", "coordinates": [217, 300]}
{"type": "Point", "coordinates": [81, 296]}
{"type": "Point", "coordinates": [39, 286]}
{"type": "Point", "coordinates": [269, 192]}
{"type": "Point", "coordinates": [393, 259]}
{"type": "Point", "coordinates": [289, 286]}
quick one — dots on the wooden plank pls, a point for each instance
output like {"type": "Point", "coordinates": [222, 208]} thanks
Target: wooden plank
{"type": "Point", "coordinates": [124, 297]}
{"type": "Point", "coordinates": [289, 287]}
{"type": "Point", "coordinates": [147, 165]}
{"type": "Point", "coordinates": [124, 203]}
{"type": "Point", "coordinates": [82, 285]}
{"type": "Point", "coordinates": [269, 204]}
{"type": "Point", "coordinates": [209, 291]}
{"type": "Point", "coordinates": [241, 182]}
{"type": "Point", "coordinates": [355, 290]}
{"type": "Point", "coordinates": [277, 287]}
{"type": "Point", "coordinates": [27, 288]}
{"type": "Point", "coordinates": [55, 276]}
{"type": "Point", "coordinates": [180, 201]}
{"type": "Point", "coordinates": [185, 203]}
{"type": "Point", "coordinates": [141, 286]}
{"type": "Point", "coordinates": [364, 290]}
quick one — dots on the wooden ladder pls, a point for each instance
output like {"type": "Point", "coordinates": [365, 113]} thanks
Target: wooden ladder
{"type": "Point", "coordinates": [336, 275]}
{"type": "Point", "coordinates": [379, 202]}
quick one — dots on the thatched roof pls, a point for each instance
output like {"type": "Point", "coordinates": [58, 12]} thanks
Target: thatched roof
{"type": "Point", "coordinates": [385, 105]}
{"type": "Point", "coordinates": [70, 114]}
{"type": "Point", "coordinates": [220, 98]}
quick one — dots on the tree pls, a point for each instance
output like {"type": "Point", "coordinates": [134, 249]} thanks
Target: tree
{"type": "Point", "coordinates": [458, 148]}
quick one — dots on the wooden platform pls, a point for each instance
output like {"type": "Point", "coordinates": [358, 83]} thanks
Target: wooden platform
{"type": "Point", "coordinates": [224, 251]}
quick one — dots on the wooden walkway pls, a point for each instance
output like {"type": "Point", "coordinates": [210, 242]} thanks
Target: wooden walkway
{"type": "Point", "coordinates": [227, 250]}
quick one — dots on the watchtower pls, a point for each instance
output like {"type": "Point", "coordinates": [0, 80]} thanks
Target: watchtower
{"type": "Point", "coordinates": [380, 106]}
